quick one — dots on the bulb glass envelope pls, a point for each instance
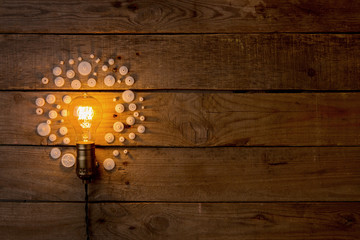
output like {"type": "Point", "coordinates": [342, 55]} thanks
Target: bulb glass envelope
{"type": "Point", "coordinates": [85, 115]}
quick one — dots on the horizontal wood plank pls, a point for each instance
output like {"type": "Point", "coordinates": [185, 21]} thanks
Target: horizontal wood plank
{"type": "Point", "coordinates": [42, 221]}
{"type": "Point", "coordinates": [229, 174]}
{"type": "Point", "coordinates": [197, 16]}
{"type": "Point", "coordinates": [228, 62]}
{"type": "Point", "coordinates": [28, 173]}
{"type": "Point", "coordinates": [224, 221]}
{"type": "Point", "coordinates": [200, 119]}
{"type": "Point", "coordinates": [187, 174]}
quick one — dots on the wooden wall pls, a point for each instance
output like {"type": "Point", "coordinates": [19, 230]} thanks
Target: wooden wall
{"type": "Point", "coordinates": [253, 125]}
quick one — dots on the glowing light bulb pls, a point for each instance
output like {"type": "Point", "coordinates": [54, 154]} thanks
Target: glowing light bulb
{"type": "Point", "coordinates": [85, 115]}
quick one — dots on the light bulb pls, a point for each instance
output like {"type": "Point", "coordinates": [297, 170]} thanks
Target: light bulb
{"type": "Point", "coordinates": [85, 115]}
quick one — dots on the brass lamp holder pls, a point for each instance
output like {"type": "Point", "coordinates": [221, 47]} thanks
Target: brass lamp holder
{"type": "Point", "coordinates": [86, 161]}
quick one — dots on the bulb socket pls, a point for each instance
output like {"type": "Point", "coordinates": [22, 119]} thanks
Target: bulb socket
{"type": "Point", "coordinates": [85, 161]}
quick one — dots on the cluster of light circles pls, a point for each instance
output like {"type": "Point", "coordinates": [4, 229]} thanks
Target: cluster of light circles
{"type": "Point", "coordinates": [81, 73]}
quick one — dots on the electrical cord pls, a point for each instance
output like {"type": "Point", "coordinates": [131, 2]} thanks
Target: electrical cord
{"type": "Point", "coordinates": [87, 212]}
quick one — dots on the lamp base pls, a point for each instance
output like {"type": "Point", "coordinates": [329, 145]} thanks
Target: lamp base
{"type": "Point", "coordinates": [85, 161]}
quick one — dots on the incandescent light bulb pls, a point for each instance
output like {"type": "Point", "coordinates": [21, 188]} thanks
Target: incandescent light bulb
{"type": "Point", "coordinates": [85, 115]}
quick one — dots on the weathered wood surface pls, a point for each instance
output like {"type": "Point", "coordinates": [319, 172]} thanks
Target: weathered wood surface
{"type": "Point", "coordinates": [196, 16]}
{"type": "Point", "coordinates": [224, 221]}
{"type": "Point", "coordinates": [42, 221]}
{"type": "Point", "coordinates": [230, 62]}
{"type": "Point", "coordinates": [202, 119]}
{"type": "Point", "coordinates": [29, 173]}
{"type": "Point", "coordinates": [229, 174]}
{"type": "Point", "coordinates": [187, 174]}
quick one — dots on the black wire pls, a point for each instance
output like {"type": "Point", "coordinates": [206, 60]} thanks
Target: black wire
{"type": "Point", "coordinates": [87, 212]}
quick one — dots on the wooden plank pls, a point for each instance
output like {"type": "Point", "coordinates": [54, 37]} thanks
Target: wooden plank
{"type": "Point", "coordinates": [200, 16]}
{"type": "Point", "coordinates": [42, 221]}
{"type": "Point", "coordinates": [28, 173]}
{"type": "Point", "coordinates": [229, 62]}
{"type": "Point", "coordinates": [224, 221]}
{"type": "Point", "coordinates": [201, 119]}
{"type": "Point", "coordinates": [229, 174]}
{"type": "Point", "coordinates": [187, 174]}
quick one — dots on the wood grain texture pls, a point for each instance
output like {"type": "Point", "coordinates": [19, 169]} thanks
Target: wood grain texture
{"type": "Point", "coordinates": [201, 119]}
{"type": "Point", "coordinates": [191, 16]}
{"type": "Point", "coordinates": [229, 174]}
{"type": "Point", "coordinates": [29, 173]}
{"type": "Point", "coordinates": [186, 174]}
{"type": "Point", "coordinates": [223, 221]}
{"type": "Point", "coordinates": [42, 221]}
{"type": "Point", "coordinates": [228, 62]}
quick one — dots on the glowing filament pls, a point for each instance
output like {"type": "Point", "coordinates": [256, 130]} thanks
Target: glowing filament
{"type": "Point", "coordinates": [85, 116]}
